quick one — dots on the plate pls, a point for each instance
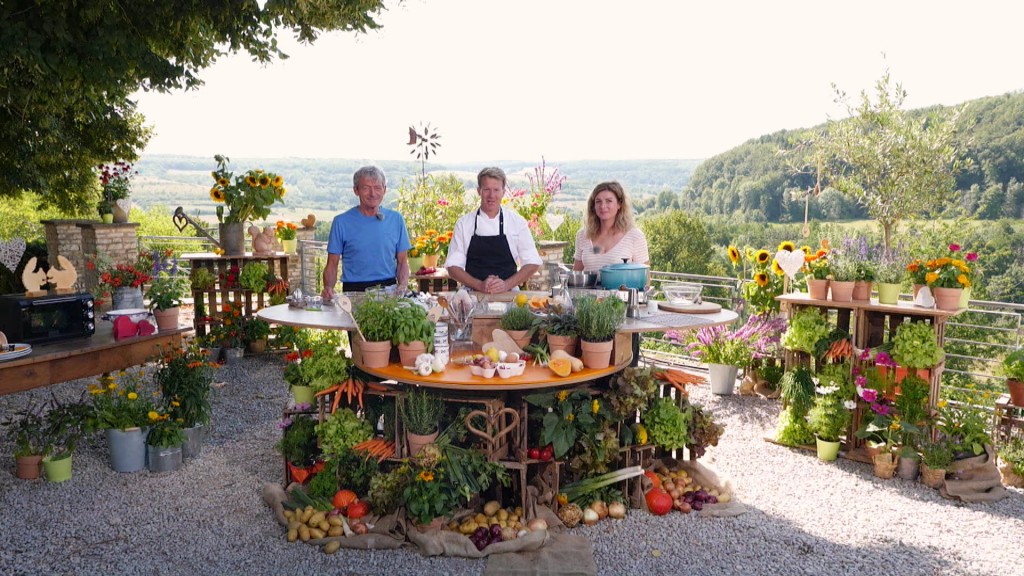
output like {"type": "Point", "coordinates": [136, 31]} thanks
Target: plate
{"type": "Point", "coordinates": [702, 308]}
{"type": "Point", "coordinates": [13, 351]}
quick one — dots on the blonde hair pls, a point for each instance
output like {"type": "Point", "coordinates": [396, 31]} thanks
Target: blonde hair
{"type": "Point", "coordinates": [623, 220]}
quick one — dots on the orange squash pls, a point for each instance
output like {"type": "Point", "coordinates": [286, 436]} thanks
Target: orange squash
{"type": "Point", "coordinates": [560, 366]}
{"type": "Point", "coordinates": [342, 498]}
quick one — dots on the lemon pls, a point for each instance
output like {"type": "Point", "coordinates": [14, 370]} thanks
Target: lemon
{"type": "Point", "coordinates": [494, 354]}
{"type": "Point", "coordinates": [522, 299]}
{"type": "Point", "coordinates": [640, 433]}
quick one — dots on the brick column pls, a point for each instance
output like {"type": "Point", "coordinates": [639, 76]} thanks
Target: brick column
{"type": "Point", "coordinates": [64, 238]}
{"type": "Point", "coordinates": [551, 253]}
{"type": "Point", "coordinates": [118, 242]}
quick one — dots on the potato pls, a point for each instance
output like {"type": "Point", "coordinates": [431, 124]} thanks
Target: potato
{"type": "Point", "coordinates": [306, 515]}
{"type": "Point", "coordinates": [316, 519]}
{"type": "Point", "coordinates": [288, 514]}
{"type": "Point", "coordinates": [304, 533]}
{"type": "Point", "coordinates": [335, 520]}
{"type": "Point", "coordinates": [468, 527]}
{"type": "Point", "coordinates": [724, 497]}
{"type": "Point", "coordinates": [324, 525]}
{"type": "Point", "coordinates": [491, 508]}
{"type": "Point", "coordinates": [503, 514]}
{"type": "Point", "coordinates": [293, 534]}
{"type": "Point", "coordinates": [332, 547]}
{"type": "Point", "coordinates": [336, 531]}
{"type": "Point", "coordinates": [294, 525]}
{"type": "Point", "coordinates": [480, 519]}
{"type": "Point", "coordinates": [316, 534]}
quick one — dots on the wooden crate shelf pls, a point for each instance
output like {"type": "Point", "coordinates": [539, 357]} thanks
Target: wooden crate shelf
{"type": "Point", "coordinates": [210, 301]}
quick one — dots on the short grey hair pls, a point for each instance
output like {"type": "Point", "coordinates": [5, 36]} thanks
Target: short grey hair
{"type": "Point", "coordinates": [369, 172]}
{"type": "Point", "coordinates": [491, 172]}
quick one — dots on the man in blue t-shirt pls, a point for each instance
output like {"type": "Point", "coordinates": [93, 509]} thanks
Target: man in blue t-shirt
{"type": "Point", "coordinates": [370, 241]}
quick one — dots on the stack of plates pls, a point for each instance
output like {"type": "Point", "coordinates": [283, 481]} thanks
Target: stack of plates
{"type": "Point", "coordinates": [12, 351]}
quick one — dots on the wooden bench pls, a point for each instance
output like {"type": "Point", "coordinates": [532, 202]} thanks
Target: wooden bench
{"type": "Point", "coordinates": [83, 357]}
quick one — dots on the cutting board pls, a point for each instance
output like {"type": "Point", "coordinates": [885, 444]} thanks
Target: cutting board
{"type": "Point", "coordinates": [702, 308]}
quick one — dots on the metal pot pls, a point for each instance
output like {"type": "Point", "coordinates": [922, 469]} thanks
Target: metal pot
{"type": "Point", "coordinates": [580, 279]}
{"type": "Point", "coordinates": [626, 274]}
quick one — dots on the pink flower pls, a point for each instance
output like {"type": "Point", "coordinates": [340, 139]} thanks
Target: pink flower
{"type": "Point", "coordinates": [972, 256]}
{"type": "Point", "coordinates": [442, 202]}
{"type": "Point", "coordinates": [880, 409]}
{"type": "Point", "coordinates": [883, 359]}
{"type": "Point", "coordinates": [860, 380]}
{"type": "Point", "coordinates": [869, 395]}
{"type": "Point", "coordinates": [954, 247]}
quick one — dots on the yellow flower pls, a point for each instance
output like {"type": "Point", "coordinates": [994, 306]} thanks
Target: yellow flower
{"type": "Point", "coordinates": [112, 386]}
{"type": "Point", "coordinates": [806, 249]}
{"type": "Point", "coordinates": [762, 256]}
{"type": "Point", "coordinates": [264, 181]}
{"type": "Point", "coordinates": [175, 403]}
{"type": "Point", "coordinates": [281, 192]}
{"type": "Point", "coordinates": [216, 194]}
{"type": "Point", "coordinates": [563, 395]}
{"type": "Point", "coordinates": [570, 416]}
{"type": "Point", "coordinates": [942, 404]}
{"type": "Point", "coordinates": [595, 406]}
{"type": "Point", "coordinates": [153, 416]}
{"type": "Point", "coordinates": [931, 277]}
{"type": "Point", "coordinates": [963, 280]}
{"type": "Point", "coordinates": [776, 268]}
{"type": "Point", "coordinates": [133, 396]}
{"type": "Point", "coordinates": [223, 182]}
{"type": "Point", "coordinates": [787, 246]}
{"type": "Point", "coordinates": [278, 181]}
{"type": "Point", "coordinates": [426, 476]}
{"type": "Point", "coordinates": [734, 255]}
{"type": "Point", "coordinates": [761, 278]}
{"type": "Point", "coordinates": [218, 251]}
{"type": "Point", "coordinates": [250, 180]}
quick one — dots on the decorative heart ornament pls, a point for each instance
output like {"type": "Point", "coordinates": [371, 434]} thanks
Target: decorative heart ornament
{"type": "Point", "coordinates": [180, 222]}
{"type": "Point", "coordinates": [124, 204]}
{"type": "Point", "coordinates": [554, 220]}
{"type": "Point", "coordinates": [146, 328]}
{"type": "Point", "coordinates": [11, 252]}
{"type": "Point", "coordinates": [309, 221]}
{"type": "Point", "coordinates": [790, 262]}
{"type": "Point", "coordinates": [125, 328]}
{"type": "Point", "coordinates": [924, 298]}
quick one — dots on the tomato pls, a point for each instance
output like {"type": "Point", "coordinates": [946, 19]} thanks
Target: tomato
{"type": "Point", "coordinates": [533, 453]}
{"type": "Point", "coordinates": [342, 498]}
{"type": "Point", "coordinates": [358, 509]}
{"type": "Point", "coordinates": [547, 453]}
{"type": "Point", "coordinates": [659, 502]}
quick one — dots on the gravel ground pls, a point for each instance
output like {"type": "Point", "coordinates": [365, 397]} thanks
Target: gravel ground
{"type": "Point", "coordinates": [805, 516]}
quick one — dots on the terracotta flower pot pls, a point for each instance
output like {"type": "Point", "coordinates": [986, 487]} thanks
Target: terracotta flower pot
{"type": "Point", "coordinates": [407, 353]}
{"type": "Point", "coordinates": [416, 442]}
{"type": "Point", "coordinates": [817, 289]}
{"type": "Point", "coordinates": [564, 343]}
{"type": "Point", "coordinates": [841, 291]}
{"type": "Point", "coordinates": [521, 337]}
{"type": "Point", "coordinates": [29, 467]}
{"type": "Point", "coordinates": [947, 298]}
{"type": "Point", "coordinates": [597, 355]}
{"type": "Point", "coordinates": [861, 291]}
{"type": "Point", "coordinates": [1016, 388]}
{"type": "Point", "coordinates": [376, 354]}
{"type": "Point", "coordinates": [166, 319]}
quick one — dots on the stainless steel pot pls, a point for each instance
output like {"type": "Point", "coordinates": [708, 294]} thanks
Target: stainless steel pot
{"type": "Point", "coordinates": [625, 274]}
{"type": "Point", "coordinates": [580, 279]}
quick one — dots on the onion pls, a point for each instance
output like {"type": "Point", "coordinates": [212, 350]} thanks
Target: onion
{"type": "Point", "coordinates": [537, 524]}
{"type": "Point", "coordinates": [590, 517]}
{"type": "Point", "coordinates": [601, 508]}
{"type": "Point", "coordinates": [617, 510]}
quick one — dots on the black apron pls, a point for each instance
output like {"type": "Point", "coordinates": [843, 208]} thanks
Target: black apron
{"type": "Point", "coordinates": [363, 286]}
{"type": "Point", "coordinates": [490, 255]}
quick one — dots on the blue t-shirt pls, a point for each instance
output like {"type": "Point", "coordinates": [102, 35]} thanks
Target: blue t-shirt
{"type": "Point", "coordinates": [367, 245]}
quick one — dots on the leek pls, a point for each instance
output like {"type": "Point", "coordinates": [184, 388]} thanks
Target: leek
{"type": "Point", "coordinates": [587, 485]}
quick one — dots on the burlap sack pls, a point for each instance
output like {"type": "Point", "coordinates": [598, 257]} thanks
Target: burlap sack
{"type": "Point", "coordinates": [563, 555]}
{"type": "Point", "coordinates": [974, 479]}
{"type": "Point", "coordinates": [702, 475]}
{"type": "Point", "coordinates": [388, 531]}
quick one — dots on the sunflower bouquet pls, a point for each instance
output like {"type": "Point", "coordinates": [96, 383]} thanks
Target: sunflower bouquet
{"type": "Point", "coordinates": [764, 281]}
{"type": "Point", "coordinates": [249, 197]}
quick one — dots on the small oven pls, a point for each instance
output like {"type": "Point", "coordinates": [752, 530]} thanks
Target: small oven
{"type": "Point", "coordinates": [49, 318]}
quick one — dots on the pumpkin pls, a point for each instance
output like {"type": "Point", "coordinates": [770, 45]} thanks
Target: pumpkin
{"type": "Point", "coordinates": [659, 502]}
{"type": "Point", "coordinates": [342, 499]}
{"type": "Point", "coordinates": [654, 478]}
{"type": "Point", "coordinates": [560, 366]}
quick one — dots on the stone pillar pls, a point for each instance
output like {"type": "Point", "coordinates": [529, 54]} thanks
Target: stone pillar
{"type": "Point", "coordinates": [295, 260]}
{"type": "Point", "coordinates": [551, 252]}
{"type": "Point", "coordinates": [64, 238]}
{"type": "Point", "coordinates": [118, 242]}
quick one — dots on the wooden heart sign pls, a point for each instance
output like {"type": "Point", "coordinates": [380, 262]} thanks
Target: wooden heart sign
{"type": "Point", "coordinates": [309, 221]}
{"type": "Point", "coordinates": [180, 221]}
{"type": "Point", "coordinates": [790, 262]}
{"type": "Point", "coordinates": [492, 435]}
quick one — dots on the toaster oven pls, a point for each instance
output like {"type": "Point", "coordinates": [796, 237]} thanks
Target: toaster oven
{"type": "Point", "coordinates": [50, 318]}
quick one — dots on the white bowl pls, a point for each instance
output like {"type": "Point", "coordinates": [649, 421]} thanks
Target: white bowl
{"type": "Point", "coordinates": [487, 372]}
{"type": "Point", "coordinates": [476, 370]}
{"type": "Point", "coordinates": [682, 292]}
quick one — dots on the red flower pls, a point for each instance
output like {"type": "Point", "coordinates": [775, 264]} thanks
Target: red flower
{"type": "Point", "coordinates": [954, 247]}
{"type": "Point", "coordinates": [972, 256]}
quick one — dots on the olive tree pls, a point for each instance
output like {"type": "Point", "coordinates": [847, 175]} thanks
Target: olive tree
{"type": "Point", "coordinates": [896, 165]}
{"type": "Point", "coordinates": [68, 70]}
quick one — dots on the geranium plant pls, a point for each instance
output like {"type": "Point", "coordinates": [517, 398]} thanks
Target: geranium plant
{"type": "Point", "coordinates": [112, 276]}
{"type": "Point", "coordinates": [247, 196]}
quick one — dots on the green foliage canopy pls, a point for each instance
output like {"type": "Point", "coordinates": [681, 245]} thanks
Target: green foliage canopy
{"type": "Point", "coordinates": [68, 70]}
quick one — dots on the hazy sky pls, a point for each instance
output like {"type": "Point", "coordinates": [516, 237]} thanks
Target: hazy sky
{"type": "Point", "coordinates": [587, 79]}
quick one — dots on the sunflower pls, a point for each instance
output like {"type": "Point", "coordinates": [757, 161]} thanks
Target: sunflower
{"type": "Point", "coordinates": [787, 246]}
{"type": "Point", "coordinates": [264, 180]}
{"type": "Point", "coordinates": [251, 180]}
{"type": "Point", "coordinates": [278, 181]}
{"type": "Point", "coordinates": [223, 182]}
{"type": "Point", "coordinates": [761, 278]}
{"type": "Point", "coordinates": [776, 268]}
{"type": "Point", "coordinates": [281, 192]}
{"type": "Point", "coordinates": [734, 255]}
{"type": "Point", "coordinates": [762, 256]}
{"type": "Point", "coordinates": [806, 249]}
{"type": "Point", "coordinates": [216, 194]}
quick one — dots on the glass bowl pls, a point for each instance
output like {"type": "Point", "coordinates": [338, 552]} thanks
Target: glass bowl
{"type": "Point", "coordinates": [682, 292]}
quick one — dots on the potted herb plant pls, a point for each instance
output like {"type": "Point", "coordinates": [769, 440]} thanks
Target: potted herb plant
{"type": "Point", "coordinates": [413, 332]}
{"type": "Point", "coordinates": [165, 294]}
{"type": "Point", "coordinates": [27, 430]}
{"type": "Point", "coordinates": [64, 426]}
{"type": "Point", "coordinates": [915, 348]}
{"type": "Point", "coordinates": [597, 321]}
{"type": "Point", "coordinates": [299, 447]}
{"type": "Point", "coordinates": [518, 321]}
{"type": "Point", "coordinates": [843, 275]}
{"type": "Point", "coordinates": [375, 316]}
{"type": "Point", "coordinates": [936, 456]}
{"type": "Point", "coordinates": [561, 331]}
{"type": "Point", "coordinates": [1011, 462]}
{"type": "Point", "coordinates": [889, 273]}
{"type": "Point", "coordinates": [184, 376]}
{"type": "Point", "coordinates": [1012, 368]}
{"type": "Point", "coordinates": [421, 413]}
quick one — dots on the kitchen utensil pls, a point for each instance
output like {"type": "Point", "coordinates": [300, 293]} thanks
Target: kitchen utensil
{"type": "Point", "coordinates": [345, 304]}
{"type": "Point", "coordinates": [580, 279]}
{"type": "Point", "coordinates": [628, 274]}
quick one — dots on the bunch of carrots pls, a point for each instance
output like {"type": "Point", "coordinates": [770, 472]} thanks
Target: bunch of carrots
{"type": "Point", "coordinates": [352, 388]}
{"type": "Point", "coordinates": [678, 379]}
{"type": "Point", "coordinates": [839, 350]}
{"type": "Point", "coordinates": [378, 448]}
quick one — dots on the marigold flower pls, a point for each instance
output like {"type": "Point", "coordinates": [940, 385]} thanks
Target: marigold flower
{"type": "Point", "coordinates": [563, 395]}
{"type": "Point", "coordinates": [595, 406]}
{"type": "Point", "coordinates": [153, 415]}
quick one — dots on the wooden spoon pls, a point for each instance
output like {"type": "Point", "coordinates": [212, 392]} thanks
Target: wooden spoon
{"type": "Point", "coordinates": [345, 304]}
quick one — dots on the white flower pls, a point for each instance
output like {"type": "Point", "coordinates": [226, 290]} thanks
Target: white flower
{"type": "Point", "coordinates": [815, 380]}
{"type": "Point", "coordinates": [849, 404]}
{"type": "Point", "coordinates": [826, 390]}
